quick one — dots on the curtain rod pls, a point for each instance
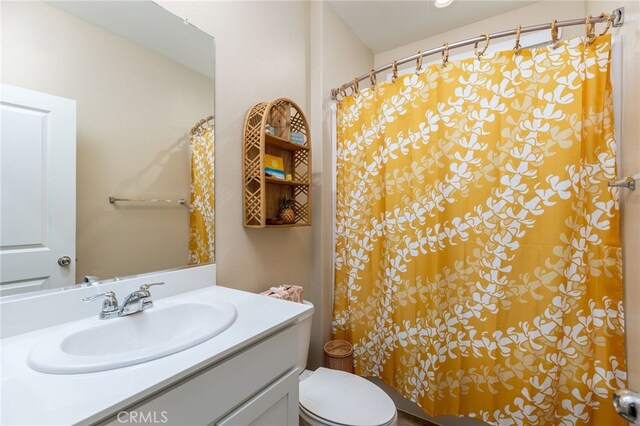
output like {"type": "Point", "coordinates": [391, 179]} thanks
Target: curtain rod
{"type": "Point", "coordinates": [617, 19]}
{"type": "Point", "coordinates": [200, 123]}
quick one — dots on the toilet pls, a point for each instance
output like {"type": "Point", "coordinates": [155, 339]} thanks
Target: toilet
{"type": "Point", "coordinates": [337, 398]}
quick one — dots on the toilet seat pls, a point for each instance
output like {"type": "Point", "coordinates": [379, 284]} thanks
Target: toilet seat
{"type": "Point", "coordinates": [333, 397]}
{"type": "Point", "coordinates": [312, 420]}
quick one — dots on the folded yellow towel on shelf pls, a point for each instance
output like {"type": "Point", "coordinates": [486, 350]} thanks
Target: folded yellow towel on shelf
{"type": "Point", "coordinates": [292, 293]}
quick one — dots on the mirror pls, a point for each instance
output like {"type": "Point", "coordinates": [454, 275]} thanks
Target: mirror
{"type": "Point", "coordinates": [105, 107]}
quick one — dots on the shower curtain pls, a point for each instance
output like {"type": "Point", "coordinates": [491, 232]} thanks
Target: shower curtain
{"type": "Point", "coordinates": [478, 256]}
{"type": "Point", "coordinates": [201, 216]}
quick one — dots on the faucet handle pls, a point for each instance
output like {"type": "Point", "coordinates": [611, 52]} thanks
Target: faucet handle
{"type": "Point", "coordinates": [108, 295]}
{"type": "Point", "coordinates": [110, 301]}
{"type": "Point", "coordinates": [146, 286]}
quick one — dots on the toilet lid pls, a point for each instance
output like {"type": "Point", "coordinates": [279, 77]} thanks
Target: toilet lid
{"type": "Point", "coordinates": [345, 398]}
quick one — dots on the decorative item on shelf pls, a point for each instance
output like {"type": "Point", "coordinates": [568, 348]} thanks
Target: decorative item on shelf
{"type": "Point", "coordinates": [297, 138]}
{"type": "Point", "coordinates": [286, 211]}
{"type": "Point", "coordinates": [274, 167]}
{"type": "Point", "coordinates": [275, 174]}
{"type": "Point", "coordinates": [274, 221]}
{"type": "Point", "coordinates": [289, 178]}
{"type": "Point", "coordinates": [280, 120]}
{"type": "Point", "coordinates": [270, 130]}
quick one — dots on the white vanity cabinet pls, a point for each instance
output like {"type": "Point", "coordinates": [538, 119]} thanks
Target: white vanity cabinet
{"type": "Point", "coordinates": [245, 375]}
{"type": "Point", "coordinates": [255, 386]}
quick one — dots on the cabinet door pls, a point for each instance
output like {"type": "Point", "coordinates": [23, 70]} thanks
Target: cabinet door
{"type": "Point", "coordinates": [275, 405]}
{"type": "Point", "coordinates": [207, 396]}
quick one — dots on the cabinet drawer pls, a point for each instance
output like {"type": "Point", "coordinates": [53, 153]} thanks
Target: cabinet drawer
{"type": "Point", "coordinates": [207, 396]}
{"type": "Point", "coordinates": [275, 405]}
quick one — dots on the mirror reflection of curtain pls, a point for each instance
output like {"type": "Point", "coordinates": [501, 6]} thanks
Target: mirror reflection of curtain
{"type": "Point", "coordinates": [201, 217]}
{"type": "Point", "coordinates": [478, 254]}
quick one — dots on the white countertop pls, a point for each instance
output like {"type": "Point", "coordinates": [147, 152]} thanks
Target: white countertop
{"type": "Point", "coordinates": [31, 397]}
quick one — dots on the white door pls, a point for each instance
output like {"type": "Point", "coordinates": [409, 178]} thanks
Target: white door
{"type": "Point", "coordinates": [37, 190]}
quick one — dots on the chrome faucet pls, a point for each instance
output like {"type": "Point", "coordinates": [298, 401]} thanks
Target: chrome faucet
{"type": "Point", "coordinates": [109, 306]}
{"type": "Point", "coordinates": [137, 301]}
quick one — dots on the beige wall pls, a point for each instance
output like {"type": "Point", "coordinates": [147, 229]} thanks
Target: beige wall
{"type": "Point", "coordinates": [629, 142]}
{"type": "Point", "coordinates": [536, 13]}
{"type": "Point", "coordinates": [262, 52]}
{"type": "Point", "coordinates": [266, 50]}
{"type": "Point", "coordinates": [133, 107]}
{"type": "Point", "coordinates": [339, 56]}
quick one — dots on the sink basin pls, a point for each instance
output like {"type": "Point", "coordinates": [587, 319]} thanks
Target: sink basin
{"type": "Point", "coordinates": [94, 345]}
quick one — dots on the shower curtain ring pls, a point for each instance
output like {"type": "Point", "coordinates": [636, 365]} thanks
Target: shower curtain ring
{"type": "Point", "coordinates": [419, 62]}
{"type": "Point", "coordinates": [555, 40]}
{"type": "Point", "coordinates": [517, 48]}
{"type": "Point", "coordinates": [609, 22]}
{"type": "Point", "coordinates": [394, 70]}
{"type": "Point", "coordinates": [445, 55]}
{"type": "Point", "coordinates": [475, 46]}
{"type": "Point", "coordinates": [372, 77]}
{"type": "Point", "coordinates": [590, 30]}
{"type": "Point", "coordinates": [356, 86]}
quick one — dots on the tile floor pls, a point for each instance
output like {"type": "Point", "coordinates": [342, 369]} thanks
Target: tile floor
{"type": "Point", "coordinates": [409, 414]}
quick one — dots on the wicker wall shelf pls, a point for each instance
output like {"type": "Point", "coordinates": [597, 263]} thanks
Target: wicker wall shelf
{"type": "Point", "coordinates": [261, 193]}
{"type": "Point", "coordinates": [275, 181]}
{"type": "Point", "coordinates": [283, 144]}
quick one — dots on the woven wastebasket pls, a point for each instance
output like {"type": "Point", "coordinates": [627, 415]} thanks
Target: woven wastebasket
{"type": "Point", "coordinates": [338, 355]}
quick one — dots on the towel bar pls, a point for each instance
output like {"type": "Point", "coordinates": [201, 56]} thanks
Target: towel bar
{"type": "Point", "coordinates": [181, 201]}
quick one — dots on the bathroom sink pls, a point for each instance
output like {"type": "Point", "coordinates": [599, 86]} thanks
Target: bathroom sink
{"type": "Point", "coordinates": [94, 345]}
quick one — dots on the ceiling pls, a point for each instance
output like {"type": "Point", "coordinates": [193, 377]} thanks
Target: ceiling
{"type": "Point", "coordinates": [384, 25]}
{"type": "Point", "coordinates": [151, 26]}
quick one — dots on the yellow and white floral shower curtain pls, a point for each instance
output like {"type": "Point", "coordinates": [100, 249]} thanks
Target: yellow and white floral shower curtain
{"type": "Point", "coordinates": [478, 259]}
{"type": "Point", "coordinates": [201, 217]}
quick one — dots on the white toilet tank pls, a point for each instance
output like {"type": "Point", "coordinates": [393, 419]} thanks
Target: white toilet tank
{"type": "Point", "coordinates": [304, 337]}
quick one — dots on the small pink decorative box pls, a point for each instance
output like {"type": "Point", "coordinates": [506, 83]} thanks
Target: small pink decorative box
{"type": "Point", "coordinates": [292, 293]}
